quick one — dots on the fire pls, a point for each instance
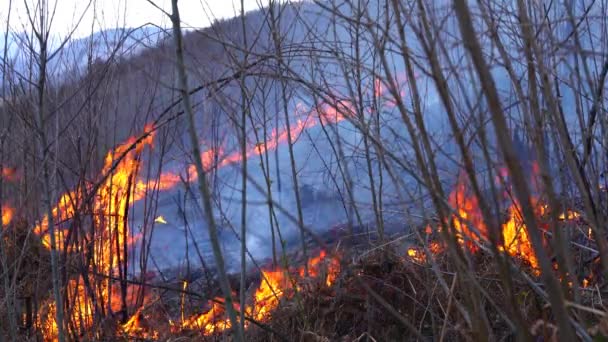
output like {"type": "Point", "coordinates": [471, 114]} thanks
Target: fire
{"type": "Point", "coordinates": [112, 198]}
{"type": "Point", "coordinates": [218, 157]}
{"type": "Point", "coordinates": [467, 208]}
{"type": "Point", "coordinates": [275, 284]}
{"type": "Point", "coordinates": [316, 268]}
{"type": "Point", "coordinates": [7, 215]}
{"type": "Point", "coordinates": [471, 228]}
{"type": "Point", "coordinates": [122, 189]}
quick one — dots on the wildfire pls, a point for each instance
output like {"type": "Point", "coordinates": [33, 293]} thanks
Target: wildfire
{"type": "Point", "coordinates": [516, 240]}
{"type": "Point", "coordinates": [211, 321]}
{"type": "Point", "coordinates": [120, 187]}
{"type": "Point", "coordinates": [118, 191]}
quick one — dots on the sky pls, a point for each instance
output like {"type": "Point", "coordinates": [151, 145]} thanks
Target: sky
{"type": "Point", "coordinates": [104, 14]}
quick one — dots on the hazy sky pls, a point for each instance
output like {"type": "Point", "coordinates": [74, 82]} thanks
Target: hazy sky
{"type": "Point", "coordinates": [102, 14]}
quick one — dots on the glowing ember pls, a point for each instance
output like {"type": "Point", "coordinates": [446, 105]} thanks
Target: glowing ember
{"type": "Point", "coordinates": [585, 283]}
{"type": "Point", "coordinates": [160, 219]}
{"type": "Point", "coordinates": [416, 255]}
{"type": "Point", "coordinates": [9, 174]}
{"type": "Point", "coordinates": [569, 215]}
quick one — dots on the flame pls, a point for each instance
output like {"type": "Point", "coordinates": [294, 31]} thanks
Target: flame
{"type": "Point", "coordinates": [7, 214]}
{"type": "Point", "coordinates": [275, 284]}
{"type": "Point", "coordinates": [467, 208]}
{"type": "Point", "coordinates": [160, 219]}
{"type": "Point", "coordinates": [316, 268]}
{"type": "Point", "coordinates": [218, 157]}
{"type": "Point", "coordinates": [111, 193]}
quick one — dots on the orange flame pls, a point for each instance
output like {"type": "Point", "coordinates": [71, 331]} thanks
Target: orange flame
{"type": "Point", "coordinates": [516, 240]}
{"type": "Point", "coordinates": [120, 189]}
{"type": "Point", "coordinates": [211, 321]}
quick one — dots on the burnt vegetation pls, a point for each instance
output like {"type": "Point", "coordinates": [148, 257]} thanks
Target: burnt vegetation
{"type": "Point", "coordinates": [308, 171]}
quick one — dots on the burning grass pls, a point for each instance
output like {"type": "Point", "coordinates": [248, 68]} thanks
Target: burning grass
{"type": "Point", "coordinates": [346, 297]}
